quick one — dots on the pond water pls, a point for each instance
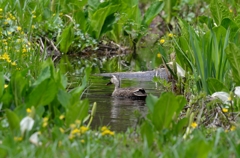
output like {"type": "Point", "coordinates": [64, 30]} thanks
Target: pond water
{"type": "Point", "coordinates": [118, 113]}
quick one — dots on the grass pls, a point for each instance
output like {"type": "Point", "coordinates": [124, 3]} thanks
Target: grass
{"type": "Point", "coordinates": [41, 114]}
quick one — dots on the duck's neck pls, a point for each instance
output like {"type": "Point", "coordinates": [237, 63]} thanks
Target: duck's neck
{"type": "Point", "coordinates": [117, 85]}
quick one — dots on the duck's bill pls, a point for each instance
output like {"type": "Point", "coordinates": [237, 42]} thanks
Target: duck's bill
{"type": "Point", "coordinates": [109, 83]}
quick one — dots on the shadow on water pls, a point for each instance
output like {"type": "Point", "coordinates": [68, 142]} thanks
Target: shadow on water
{"type": "Point", "coordinates": [118, 113]}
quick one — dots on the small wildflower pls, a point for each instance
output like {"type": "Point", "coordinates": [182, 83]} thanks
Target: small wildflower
{"type": "Point", "coordinates": [82, 141]}
{"type": "Point", "coordinates": [230, 10]}
{"type": "Point", "coordinates": [28, 110]}
{"type": "Point", "coordinates": [18, 139]}
{"type": "Point", "coordinates": [61, 130]}
{"type": "Point", "coordinates": [72, 126]}
{"type": "Point", "coordinates": [24, 50]}
{"type": "Point", "coordinates": [194, 125]}
{"type": "Point", "coordinates": [5, 86]}
{"type": "Point", "coordinates": [1, 10]}
{"type": "Point", "coordinates": [104, 128]}
{"type": "Point", "coordinates": [75, 131]}
{"type": "Point", "coordinates": [159, 55]}
{"type": "Point", "coordinates": [107, 132]}
{"type": "Point", "coordinates": [229, 98]}
{"type": "Point", "coordinates": [9, 33]}
{"type": "Point", "coordinates": [162, 41]}
{"type": "Point", "coordinates": [34, 16]}
{"type": "Point", "coordinates": [83, 129]}
{"type": "Point", "coordinates": [233, 128]}
{"type": "Point", "coordinates": [224, 110]}
{"type": "Point", "coordinates": [61, 117]}
{"type": "Point", "coordinates": [14, 63]}
{"type": "Point", "coordinates": [170, 35]}
{"type": "Point", "coordinates": [78, 122]}
{"type": "Point", "coordinates": [33, 26]}
{"type": "Point", "coordinates": [60, 14]}
{"type": "Point", "coordinates": [45, 119]}
{"type": "Point", "coordinates": [44, 124]}
{"type": "Point", "coordinates": [19, 28]}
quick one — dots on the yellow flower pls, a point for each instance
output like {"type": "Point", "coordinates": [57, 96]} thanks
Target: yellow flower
{"type": "Point", "coordinates": [5, 86]}
{"type": "Point", "coordinates": [230, 10]}
{"type": "Point", "coordinates": [170, 35]}
{"type": "Point", "coordinates": [82, 141]}
{"type": "Point", "coordinates": [61, 130]}
{"type": "Point", "coordinates": [61, 117]}
{"type": "Point", "coordinates": [194, 125]}
{"type": "Point", "coordinates": [45, 119]}
{"type": "Point", "coordinates": [60, 14]}
{"type": "Point", "coordinates": [19, 28]}
{"type": "Point", "coordinates": [77, 122]}
{"type": "Point", "coordinates": [9, 33]}
{"type": "Point", "coordinates": [45, 124]}
{"type": "Point", "coordinates": [33, 26]}
{"type": "Point", "coordinates": [18, 139]}
{"type": "Point", "coordinates": [5, 22]}
{"type": "Point", "coordinates": [1, 10]}
{"type": "Point", "coordinates": [224, 110]}
{"type": "Point", "coordinates": [104, 128]}
{"type": "Point", "coordinates": [162, 41]}
{"type": "Point", "coordinates": [34, 16]}
{"type": "Point", "coordinates": [24, 50]}
{"type": "Point", "coordinates": [75, 131]}
{"type": "Point", "coordinates": [72, 126]}
{"type": "Point", "coordinates": [159, 55]}
{"type": "Point", "coordinates": [233, 128]}
{"type": "Point", "coordinates": [28, 110]}
{"type": "Point", "coordinates": [14, 63]}
{"type": "Point", "coordinates": [107, 132]}
{"type": "Point", "coordinates": [83, 129]}
{"type": "Point", "coordinates": [229, 98]}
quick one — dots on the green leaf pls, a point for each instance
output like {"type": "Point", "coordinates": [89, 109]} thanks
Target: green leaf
{"type": "Point", "coordinates": [219, 11]}
{"type": "Point", "coordinates": [233, 55]}
{"type": "Point", "coordinates": [17, 85]}
{"type": "Point", "coordinates": [42, 94]}
{"type": "Point", "coordinates": [45, 74]}
{"type": "Point", "coordinates": [77, 111]}
{"type": "Point", "coordinates": [214, 85]}
{"type": "Point", "coordinates": [151, 101]}
{"type": "Point", "coordinates": [152, 12]}
{"type": "Point", "coordinates": [1, 84]}
{"type": "Point", "coordinates": [166, 107]}
{"type": "Point", "coordinates": [66, 39]}
{"type": "Point", "coordinates": [64, 98]}
{"type": "Point", "coordinates": [147, 132]}
{"type": "Point", "coordinates": [13, 120]}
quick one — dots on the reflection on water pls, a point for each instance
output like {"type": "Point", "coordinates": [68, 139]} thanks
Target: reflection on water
{"type": "Point", "coordinates": [118, 113]}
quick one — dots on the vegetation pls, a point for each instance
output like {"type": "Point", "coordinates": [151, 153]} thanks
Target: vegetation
{"type": "Point", "coordinates": [43, 113]}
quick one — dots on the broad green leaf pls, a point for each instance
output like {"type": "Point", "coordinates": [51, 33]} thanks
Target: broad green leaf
{"type": "Point", "coordinates": [147, 132]}
{"type": "Point", "coordinates": [17, 84]}
{"type": "Point", "coordinates": [77, 111]}
{"type": "Point", "coordinates": [219, 11]}
{"type": "Point", "coordinates": [152, 12]}
{"type": "Point", "coordinates": [66, 39]}
{"type": "Point", "coordinates": [43, 93]}
{"type": "Point", "coordinates": [45, 74]}
{"type": "Point", "coordinates": [214, 85]}
{"type": "Point", "coordinates": [1, 84]}
{"type": "Point", "coordinates": [233, 55]}
{"type": "Point", "coordinates": [64, 98]}
{"type": "Point", "coordinates": [165, 108]}
{"type": "Point", "coordinates": [13, 120]}
{"type": "Point", "coordinates": [151, 101]}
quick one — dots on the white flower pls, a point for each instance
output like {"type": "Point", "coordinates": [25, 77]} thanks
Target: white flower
{"type": "Point", "coordinates": [34, 139]}
{"type": "Point", "coordinates": [223, 96]}
{"type": "Point", "coordinates": [26, 124]}
{"type": "Point", "coordinates": [237, 91]}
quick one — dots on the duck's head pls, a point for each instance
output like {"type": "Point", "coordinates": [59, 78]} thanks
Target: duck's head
{"type": "Point", "coordinates": [114, 80]}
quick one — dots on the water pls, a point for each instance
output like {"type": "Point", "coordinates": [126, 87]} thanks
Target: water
{"type": "Point", "coordinates": [118, 113]}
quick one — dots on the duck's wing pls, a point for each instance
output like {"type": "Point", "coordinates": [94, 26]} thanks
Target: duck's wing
{"type": "Point", "coordinates": [139, 92]}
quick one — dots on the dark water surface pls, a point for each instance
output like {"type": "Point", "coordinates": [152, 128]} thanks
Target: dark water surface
{"type": "Point", "coordinates": [118, 113]}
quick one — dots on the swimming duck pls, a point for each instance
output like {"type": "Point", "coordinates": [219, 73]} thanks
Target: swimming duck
{"type": "Point", "coordinates": [134, 93]}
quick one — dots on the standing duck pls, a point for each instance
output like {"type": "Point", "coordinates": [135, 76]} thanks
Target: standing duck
{"type": "Point", "coordinates": [133, 93]}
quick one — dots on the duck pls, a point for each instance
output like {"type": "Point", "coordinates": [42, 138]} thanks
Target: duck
{"type": "Point", "coordinates": [131, 92]}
